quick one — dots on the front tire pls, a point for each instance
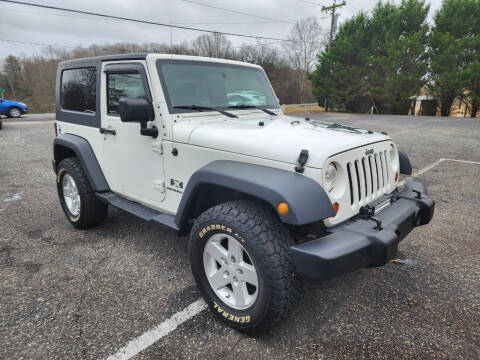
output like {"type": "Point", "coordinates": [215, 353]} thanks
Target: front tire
{"type": "Point", "coordinates": [14, 112]}
{"type": "Point", "coordinates": [240, 259]}
{"type": "Point", "coordinates": [79, 203]}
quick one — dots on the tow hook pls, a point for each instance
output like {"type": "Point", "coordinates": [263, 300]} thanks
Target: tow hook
{"type": "Point", "coordinates": [419, 194]}
{"type": "Point", "coordinates": [378, 222]}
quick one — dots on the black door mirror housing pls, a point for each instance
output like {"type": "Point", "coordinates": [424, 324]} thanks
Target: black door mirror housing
{"type": "Point", "coordinates": [138, 110]}
{"type": "Point", "coordinates": [135, 110]}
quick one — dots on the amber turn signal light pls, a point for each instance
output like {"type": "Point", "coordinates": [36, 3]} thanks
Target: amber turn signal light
{"type": "Point", "coordinates": [335, 208]}
{"type": "Point", "coordinates": [282, 208]}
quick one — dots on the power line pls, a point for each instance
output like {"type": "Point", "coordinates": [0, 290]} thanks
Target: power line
{"type": "Point", "coordinates": [236, 11]}
{"type": "Point", "coordinates": [142, 21]}
{"type": "Point", "coordinates": [353, 8]}
{"type": "Point", "coordinates": [41, 44]}
{"type": "Point", "coordinates": [310, 2]}
{"type": "Point", "coordinates": [175, 23]}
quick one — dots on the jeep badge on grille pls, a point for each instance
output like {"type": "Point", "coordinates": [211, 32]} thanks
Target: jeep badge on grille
{"type": "Point", "coordinates": [368, 152]}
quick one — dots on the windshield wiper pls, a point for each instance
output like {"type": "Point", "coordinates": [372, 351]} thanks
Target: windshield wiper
{"type": "Point", "coordinates": [201, 108]}
{"type": "Point", "coordinates": [243, 106]}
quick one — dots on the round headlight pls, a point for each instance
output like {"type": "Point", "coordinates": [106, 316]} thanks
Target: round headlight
{"type": "Point", "coordinates": [392, 152]}
{"type": "Point", "coordinates": [393, 158]}
{"type": "Point", "coordinates": [330, 174]}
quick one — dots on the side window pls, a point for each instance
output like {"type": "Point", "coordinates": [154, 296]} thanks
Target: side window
{"type": "Point", "coordinates": [78, 90]}
{"type": "Point", "coordinates": [123, 86]}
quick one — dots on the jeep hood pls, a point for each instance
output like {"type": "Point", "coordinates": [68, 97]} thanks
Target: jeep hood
{"type": "Point", "coordinates": [280, 138]}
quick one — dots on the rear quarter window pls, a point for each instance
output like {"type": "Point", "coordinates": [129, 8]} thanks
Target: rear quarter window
{"type": "Point", "coordinates": [78, 90]}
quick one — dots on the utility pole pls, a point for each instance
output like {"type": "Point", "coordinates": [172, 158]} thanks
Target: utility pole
{"type": "Point", "coordinates": [333, 24]}
{"type": "Point", "coordinates": [333, 27]}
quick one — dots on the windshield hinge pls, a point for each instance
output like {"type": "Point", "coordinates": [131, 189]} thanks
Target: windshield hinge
{"type": "Point", "coordinates": [302, 160]}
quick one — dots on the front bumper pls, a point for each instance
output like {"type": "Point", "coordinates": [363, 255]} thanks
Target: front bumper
{"type": "Point", "coordinates": [359, 243]}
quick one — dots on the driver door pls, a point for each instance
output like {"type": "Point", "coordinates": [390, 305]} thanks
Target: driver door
{"type": "Point", "coordinates": [133, 164]}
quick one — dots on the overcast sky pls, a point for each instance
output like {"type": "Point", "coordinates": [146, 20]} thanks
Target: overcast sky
{"type": "Point", "coordinates": [30, 24]}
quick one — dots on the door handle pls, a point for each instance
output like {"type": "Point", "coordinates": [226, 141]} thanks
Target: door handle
{"type": "Point", "coordinates": [107, 131]}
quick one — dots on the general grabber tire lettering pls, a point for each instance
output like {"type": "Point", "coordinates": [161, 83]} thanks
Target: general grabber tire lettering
{"type": "Point", "coordinates": [72, 183]}
{"type": "Point", "coordinates": [265, 243]}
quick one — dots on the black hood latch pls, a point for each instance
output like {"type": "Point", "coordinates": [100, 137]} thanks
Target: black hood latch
{"type": "Point", "coordinates": [302, 160]}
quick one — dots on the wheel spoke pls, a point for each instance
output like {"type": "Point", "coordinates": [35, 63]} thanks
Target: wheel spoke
{"type": "Point", "coordinates": [219, 279]}
{"type": "Point", "coordinates": [76, 204]}
{"type": "Point", "coordinates": [235, 250]}
{"type": "Point", "coordinates": [249, 274]}
{"type": "Point", "coordinates": [217, 251]}
{"type": "Point", "coordinates": [240, 293]}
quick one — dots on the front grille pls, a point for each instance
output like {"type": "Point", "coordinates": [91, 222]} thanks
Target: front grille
{"type": "Point", "coordinates": [368, 178]}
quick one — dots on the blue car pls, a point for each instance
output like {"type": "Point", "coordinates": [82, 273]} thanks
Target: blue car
{"type": "Point", "coordinates": [12, 109]}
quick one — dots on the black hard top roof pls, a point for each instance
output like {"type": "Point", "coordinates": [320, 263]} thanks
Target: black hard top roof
{"type": "Point", "coordinates": [134, 56]}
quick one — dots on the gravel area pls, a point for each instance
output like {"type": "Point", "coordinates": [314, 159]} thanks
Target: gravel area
{"type": "Point", "coordinates": [70, 294]}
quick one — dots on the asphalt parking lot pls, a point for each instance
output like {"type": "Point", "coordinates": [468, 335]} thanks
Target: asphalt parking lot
{"type": "Point", "coordinates": [70, 294]}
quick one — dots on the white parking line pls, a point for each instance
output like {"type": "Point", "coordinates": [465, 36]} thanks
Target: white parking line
{"type": "Point", "coordinates": [463, 161]}
{"type": "Point", "coordinates": [145, 340]}
{"type": "Point", "coordinates": [431, 166]}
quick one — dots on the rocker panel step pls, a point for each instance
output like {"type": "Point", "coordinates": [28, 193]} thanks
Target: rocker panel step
{"type": "Point", "coordinates": [138, 210]}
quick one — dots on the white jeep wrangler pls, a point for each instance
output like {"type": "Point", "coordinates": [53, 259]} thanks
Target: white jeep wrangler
{"type": "Point", "coordinates": [201, 145]}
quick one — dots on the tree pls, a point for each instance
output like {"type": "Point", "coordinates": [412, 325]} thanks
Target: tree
{"type": "Point", "coordinates": [398, 60]}
{"type": "Point", "coordinates": [455, 53]}
{"type": "Point", "coordinates": [375, 60]}
{"type": "Point", "coordinates": [471, 77]}
{"type": "Point", "coordinates": [213, 45]}
{"type": "Point", "coordinates": [339, 79]}
{"type": "Point", "coordinates": [12, 69]}
{"type": "Point", "coordinates": [283, 78]}
{"type": "Point", "coordinates": [302, 47]}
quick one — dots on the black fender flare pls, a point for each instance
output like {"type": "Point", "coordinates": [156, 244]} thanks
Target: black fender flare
{"type": "Point", "coordinates": [306, 198]}
{"type": "Point", "coordinates": [84, 152]}
{"type": "Point", "coordinates": [405, 165]}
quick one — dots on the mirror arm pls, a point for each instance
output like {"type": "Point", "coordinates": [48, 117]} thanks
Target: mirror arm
{"type": "Point", "coordinates": [146, 131]}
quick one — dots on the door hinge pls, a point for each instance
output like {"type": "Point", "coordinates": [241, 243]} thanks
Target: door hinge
{"type": "Point", "coordinates": [157, 147]}
{"type": "Point", "coordinates": [159, 185]}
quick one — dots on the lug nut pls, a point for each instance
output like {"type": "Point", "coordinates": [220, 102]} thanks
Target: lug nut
{"type": "Point", "coordinates": [232, 259]}
{"type": "Point", "coordinates": [240, 272]}
{"type": "Point", "coordinates": [226, 273]}
{"type": "Point", "coordinates": [234, 278]}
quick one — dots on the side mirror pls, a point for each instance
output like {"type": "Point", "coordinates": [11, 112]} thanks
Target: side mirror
{"type": "Point", "coordinates": [138, 110]}
{"type": "Point", "coordinates": [135, 110]}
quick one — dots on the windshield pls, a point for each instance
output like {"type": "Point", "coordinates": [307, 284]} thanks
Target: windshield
{"type": "Point", "coordinates": [209, 84]}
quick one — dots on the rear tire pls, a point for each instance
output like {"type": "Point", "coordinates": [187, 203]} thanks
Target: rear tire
{"type": "Point", "coordinates": [265, 243]}
{"type": "Point", "coordinates": [86, 210]}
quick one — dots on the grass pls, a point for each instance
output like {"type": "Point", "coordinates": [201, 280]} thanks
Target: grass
{"type": "Point", "coordinates": [293, 109]}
